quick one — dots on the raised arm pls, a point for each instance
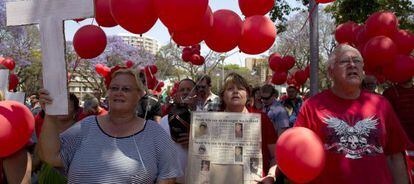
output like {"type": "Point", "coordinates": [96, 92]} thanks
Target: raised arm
{"type": "Point", "coordinates": [49, 142]}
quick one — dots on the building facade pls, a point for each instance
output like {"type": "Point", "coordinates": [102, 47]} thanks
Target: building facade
{"type": "Point", "coordinates": [147, 43]}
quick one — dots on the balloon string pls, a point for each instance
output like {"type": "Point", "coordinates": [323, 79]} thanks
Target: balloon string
{"type": "Point", "coordinates": [302, 28]}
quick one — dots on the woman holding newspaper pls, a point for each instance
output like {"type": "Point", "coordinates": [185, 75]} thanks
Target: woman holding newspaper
{"type": "Point", "coordinates": [118, 147]}
{"type": "Point", "coordinates": [234, 96]}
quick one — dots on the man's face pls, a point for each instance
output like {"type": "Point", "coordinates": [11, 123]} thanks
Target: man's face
{"type": "Point", "coordinates": [292, 93]}
{"type": "Point", "coordinates": [184, 90]}
{"type": "Point", "coordinates": [347, 70]}
{"type": "Point", "coordinates": [203, 88]}
{"type": "Point", "coordinates": [267, 98]}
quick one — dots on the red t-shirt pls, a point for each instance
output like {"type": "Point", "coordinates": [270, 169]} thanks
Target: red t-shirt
{"type": "Point", "coordinates": [402, 100]}
{"type": "Point", "coordinates": [357, 135]}
{"type": "Point", "coordinates": [101, 112]}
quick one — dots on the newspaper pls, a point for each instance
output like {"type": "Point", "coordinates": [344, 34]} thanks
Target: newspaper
{"type": "Point", "coordinates": [224, 148]}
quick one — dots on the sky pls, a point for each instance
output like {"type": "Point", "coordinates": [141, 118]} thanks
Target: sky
{"type": "Point", "coordinates": [160, 32]}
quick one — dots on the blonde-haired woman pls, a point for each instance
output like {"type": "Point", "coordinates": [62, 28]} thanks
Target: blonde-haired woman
{"type": "Point", "coordinates": [118, 147]}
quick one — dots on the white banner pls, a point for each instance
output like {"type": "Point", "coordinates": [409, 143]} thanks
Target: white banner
{"type": "Point", "coordinates": [223, 145]}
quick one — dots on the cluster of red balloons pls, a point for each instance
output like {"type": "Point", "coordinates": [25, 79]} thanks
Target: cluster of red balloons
{"type": "Point", "coordinates": [300, 154]}
{"type": "Point", "coordinates": [385, 48]}
{"type": "Point", "coordinates": [192, 55]}
{"type": "Point", "coordinates": [89, 41]}
{"type": "Point", "coordinates": [16, 127]}
{"type": "Point", "coordinates": [152, 82]}
{"type": "Point", "coordinates": [281, 66]}
{"type": "Point", "coordinates": [10, 64]}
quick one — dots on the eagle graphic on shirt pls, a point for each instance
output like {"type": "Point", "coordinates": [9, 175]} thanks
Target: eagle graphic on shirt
{"type": "Point", "coordinates": [353, 141]}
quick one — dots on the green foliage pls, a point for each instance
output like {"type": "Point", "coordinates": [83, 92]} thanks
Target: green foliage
{"type": "Point", "coordinates": [279, 13]}
{"type": "Point", "coordinates": [358, 11]}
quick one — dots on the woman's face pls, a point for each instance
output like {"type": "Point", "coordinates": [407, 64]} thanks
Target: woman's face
{"type": "Point", "coordinates": [123, 93]}
{"type": "Point", "coordinates": [235, 96]}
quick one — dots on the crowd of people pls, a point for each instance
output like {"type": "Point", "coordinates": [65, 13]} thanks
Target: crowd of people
{"type": "Point", "coordinates": [136, 138]}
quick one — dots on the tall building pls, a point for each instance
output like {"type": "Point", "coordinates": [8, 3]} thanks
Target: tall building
{"type": "Point", "coordinates": [147, 43]}
{"type": "Point", "coordinates": [259, 66]}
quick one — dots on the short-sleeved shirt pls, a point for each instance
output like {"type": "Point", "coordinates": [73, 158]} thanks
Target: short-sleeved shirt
{"type": "Point", "coordinates": [149, 107]}
{"type": "Point", "coordinates": [357, 136]}
{"type": "Point", "coordinates": [278, 115]}
{"type": "Point", "coordinates": [402, 100]}
{"type": "Point", "coordinates": [90, 155]}
{"type": "Point", "coordinates": [212, 104]}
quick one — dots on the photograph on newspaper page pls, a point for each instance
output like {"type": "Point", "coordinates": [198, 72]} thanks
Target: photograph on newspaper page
{"type": "Point", "coordinates": [224, 148]}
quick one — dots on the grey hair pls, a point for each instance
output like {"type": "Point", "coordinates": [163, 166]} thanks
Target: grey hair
{"type": "Point", "coordinates": [340, 49]}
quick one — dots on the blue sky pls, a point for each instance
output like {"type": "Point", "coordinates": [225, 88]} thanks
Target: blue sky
{"type": "Point", "coordinates": [160, 33]}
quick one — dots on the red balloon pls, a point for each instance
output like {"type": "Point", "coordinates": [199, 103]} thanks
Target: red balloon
{"type": "Point", "coordinates": [276, 63]}
{"type": "Point", "coordinates": [300, 154]}
{"type": "Point", "coordinates": [136, 16]}
{"type": "Point", "coordinates": [379, 51]}
{"type": "Point", "coordinates": [103, 14]}
{"type": "Point", "coordinates": [307, 71]}
{"type": "Point", "coordinates": [195, 34]}
{"type": "Point", "coordinates": [197, 59]}
{"type": "Point", "coordinates": [300, 77]}
{"type": "Point", "coordinates": [381, 24]}
{"type": "Point", "coordinates": [259, 34]}
{"type": "Point", "coordinates": [226, 32]}
{"type": "Point", "coordinates": [129, 64]}
{"type": "Point", "coordinates": [180, 15]}
{"type": "Point", "coordinates": [291, 80]}
{"type": "Point", "coordinates": [345, 32]}
{"type": "Point", "coordinates": [89, 41]}
{"type": "Point", "coordinates": [13, 81]}
{"type": "Point", "coordinates": [161, 84]}
{"type": "Point", "coordinates": [16, 127]}
{"type": "Point", "coordinates": [401, 70]}
{"type": "Point", "coordinates": [186, 55]}
{"type": "Point", "coordinates": [99, 68]}
{"type": "Point", "coordinates": [8, 63]}
{"type": "Point", "coordinates": [255, 7]}
{"type": "Point", "coordinates": [404, 41]}
{"type": "Point", "coordinates": [153, 69]}
{"type": "Point", "coordinates": [288, 62]}
{"type": "Point", "coordinates": [361, 36]}
{"type": "Point", "coordinates": [279, 78]}
{"type": "Point", "coordinates": [324, 1]}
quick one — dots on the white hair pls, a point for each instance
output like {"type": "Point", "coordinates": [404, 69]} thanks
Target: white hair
{"type": "Point", "coordinates": [338, 50]}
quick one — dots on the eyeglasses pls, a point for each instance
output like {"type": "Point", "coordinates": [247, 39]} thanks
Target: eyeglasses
{"type": "Point", "coordinates": [123, 89]}
{"type": "Point", "coordinates": [265, 98]}
{"type": "Point", "coordinates": [344, 62]}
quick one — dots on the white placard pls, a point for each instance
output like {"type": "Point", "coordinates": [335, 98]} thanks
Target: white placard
{"type": "Point", "coordinates": [17, 96]}
{"type": "Point", "coordinates": [50, 14]}
{"type": "Point", "coordinates": [4, 80]}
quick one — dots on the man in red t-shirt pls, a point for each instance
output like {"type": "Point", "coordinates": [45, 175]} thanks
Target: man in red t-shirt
{"type": "Point", "coordinates": [362, 136]}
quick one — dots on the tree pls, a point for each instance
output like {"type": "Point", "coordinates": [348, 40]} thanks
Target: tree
{"type": "Point", "coordinates": [172, 66]}
{"type": "Point", "coordinates": [345, 10]}
{"type": "Point", "coordinates": [295, 41]}
{"type": "Point", "coordinates": [279, 13]}
{"type": "Point", "coordinates": [22, 44]}
{"type": "Point", "coordinates": [116, 53]}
